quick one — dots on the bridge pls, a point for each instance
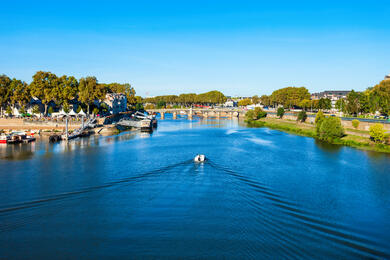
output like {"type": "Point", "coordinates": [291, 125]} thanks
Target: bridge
{"type": "Point", "coordinates": [200, 112]}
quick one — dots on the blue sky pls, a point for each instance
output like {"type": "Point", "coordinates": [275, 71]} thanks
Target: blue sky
{"type": "Point", "coordinates": [170, 47]}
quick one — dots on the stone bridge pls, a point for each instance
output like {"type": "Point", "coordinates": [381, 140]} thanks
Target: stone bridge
{"type": "Point", "coordinates": [200, 112]}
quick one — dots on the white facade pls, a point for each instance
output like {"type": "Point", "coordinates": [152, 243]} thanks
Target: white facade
{"type": "Point", "coordinates": [117, 102]}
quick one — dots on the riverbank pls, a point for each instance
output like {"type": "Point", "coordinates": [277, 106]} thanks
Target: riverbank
{"type": "Point", "coordinates": [353, 138]}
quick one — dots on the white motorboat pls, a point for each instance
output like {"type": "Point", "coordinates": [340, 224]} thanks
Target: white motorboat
{"type": "Point", "coordinates": [200, 158]}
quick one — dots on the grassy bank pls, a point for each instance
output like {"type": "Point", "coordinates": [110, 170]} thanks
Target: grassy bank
{"type": "Point", "coordinates": [308, 130]}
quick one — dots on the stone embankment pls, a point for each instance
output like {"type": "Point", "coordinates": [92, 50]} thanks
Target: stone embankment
{"type": "Point", "coordinates": [363, 125]}
{"type": "Point", "coordinates": [23, 124]}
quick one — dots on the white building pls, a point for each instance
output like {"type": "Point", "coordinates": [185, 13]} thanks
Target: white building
{"type": "Point", "coordinates": [230, 103]}
{"type": "Point", "coordinates": [333, 95]}
{"type": "Point", "coordinates": [117, 102]}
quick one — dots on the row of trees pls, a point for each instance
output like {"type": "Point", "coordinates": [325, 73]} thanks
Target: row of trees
{"type": "Point", "coordinates": [208, 98]}
{"type": "Point", "coordinates": [48, 87]}
{"type": "Point", "coordinates": [371, 100]}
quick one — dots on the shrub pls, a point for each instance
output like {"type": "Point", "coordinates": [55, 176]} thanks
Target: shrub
{"type": "Point", "coordinates": [302, 116]}
{"type": "Point", "coordinates": [331, 128]}
{"type": "Point", "coordinates": [257, 113]}
{"type": "Point", "coordinates": [319, 118]}
{"type": "Point", "coordinates": [355, 123]}
{"type": "Point", "coordinates": [260, 113]}
{"type": "Point", "coordinates": [280, 112]}
{"type": "Point", "coordinates": [250, 115]}
{"type": "Point", "coordinates": [377, 133]}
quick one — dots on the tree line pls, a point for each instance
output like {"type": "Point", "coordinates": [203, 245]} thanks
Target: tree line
{"type": "Point", "coordinates": [48, 87]}
{"type": "Point", "coordinates": [371, 100]}
{"type": "Point", "coordinates": [209, 98]}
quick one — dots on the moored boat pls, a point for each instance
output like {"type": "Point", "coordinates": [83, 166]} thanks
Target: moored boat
{"type": "Point", "coordinates": [4, 138]}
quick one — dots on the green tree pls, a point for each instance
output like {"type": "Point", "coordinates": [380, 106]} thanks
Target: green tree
{"type": "Point", "coordinates": [44, 87]}
{"type": "Point", "coordinates": [5, 92]}
{"type": "Point", "coordinates": [352, 103]}
{"type": "Point", "coordinates": [302, 116]}
{"type": "Point", "coordinates": [290, 96]}
{"type": "Point", "coordinates": [355, 123]}
{"type": "Point", "coordinates": [325, 103]}
{"type": "Point", "coordinates": [89, 91]}
{"type": "Point", "coordinates": [67, 88]}
{"type": "Point", "coordinates": [244, 102]}
{"type": "Point", "coordinates": [187, 99]}
{"type": "Point", "coordinates": [331, 128]}
{"type": "Point", "coordinates": [161, 104]}
{"type": "Point", "coordinates": [379, 97]}
{"type": "Point", "coordinates": [340, 105]}
{"type": "Point", "coordinates": [20, 93]}
{"type": "Point", "coordinates": [265, 100]}
{"type": "Point", "coordinates": [377, 133]}
{"type": "Point", "coordinates": [211, 98]}
{"type": "Point", "coordinates": [318, 121]}
{"type": "Point", "coordinates": [255, 99]}
{"type": "Point", "coordinates": [36, 110]}
{"type": "Point", "coordinates": [305, 104]}
{"type": "Point", "coordinates": [280, 112]}
{"type": "Point", "coordinates": [255, 114]}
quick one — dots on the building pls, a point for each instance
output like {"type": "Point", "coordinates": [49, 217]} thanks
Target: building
{"type": "Point", "coordinates": [116, 102]}
{"type": "Point", "coordinates": [230, 103]}
{"type": "Point", "coordinates": [387, 77]}
{"type": "Point", "coordinates": [333, 95]}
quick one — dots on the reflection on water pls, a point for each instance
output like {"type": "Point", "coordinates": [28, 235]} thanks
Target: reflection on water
{"type": "Point", "coordinates": [262, 194]}
{"type": "Point", "coordinates": [331, 148]}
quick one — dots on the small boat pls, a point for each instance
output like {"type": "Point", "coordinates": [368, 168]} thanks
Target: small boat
{"type": "Point", "coordinates": [200, 158]}
{"type": "Point", "coordinates": [4, 138]}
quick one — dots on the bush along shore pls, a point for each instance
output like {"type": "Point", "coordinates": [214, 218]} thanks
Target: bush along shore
{"type": "Point", "coordinates": [327, 129]}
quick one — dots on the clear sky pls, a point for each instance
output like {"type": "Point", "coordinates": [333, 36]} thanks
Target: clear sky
{"type": "Point", "coordinates": [169, 47]}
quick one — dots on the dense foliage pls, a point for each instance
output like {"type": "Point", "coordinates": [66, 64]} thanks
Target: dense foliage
{"type": "Point", "coordinates": [208, 98]}
{"type": "Point", "coordinates": [255, 114]}
{"type": "Point", "coordinates": [302, 116]}
{"type": "Point", "coordinates": [280, 112]}
{"type": "Point", "coordinates": [290, 96]}
{"type": "Point", "coordinates": [370, 101]}
{"type": "Point", "coordinates": [355, 123]}
{"type": "Point", "coordinates": [318, 120]}
{"type": "Point", "coordinates": [377, 133]}
{"type": "Point", "coordinates": [244, 102]}
{"type": "Point", "coordinates": [331, 128]}
{"type": "Point", "coordinates": [48, 87]}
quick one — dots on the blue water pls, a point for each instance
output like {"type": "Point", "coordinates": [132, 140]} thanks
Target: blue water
{"type": "Point", "coordinates": [262, 194]}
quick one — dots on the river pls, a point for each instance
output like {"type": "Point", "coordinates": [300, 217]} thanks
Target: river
{"type": "Point", "coordinates": [262, 194]}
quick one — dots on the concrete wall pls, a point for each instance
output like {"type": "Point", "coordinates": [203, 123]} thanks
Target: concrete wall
{"type": "Point", "coordinates": [365, 126]}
